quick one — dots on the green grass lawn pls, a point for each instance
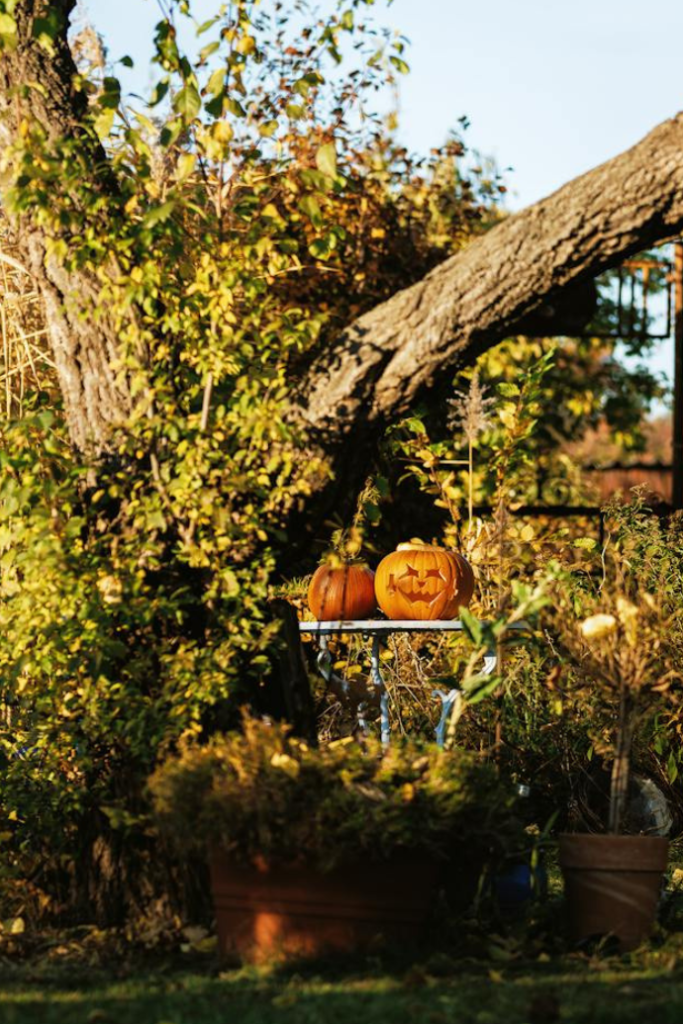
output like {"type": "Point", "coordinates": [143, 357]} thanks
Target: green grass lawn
{"type": "Point", "coordinates": [530, 994]}
{"type": "Point", "coordinates": [466, 973]}
{"type": "Point", "coordinates": [647, 986]}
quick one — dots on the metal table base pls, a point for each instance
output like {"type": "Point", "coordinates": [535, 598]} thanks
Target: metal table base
{"type": "Point", "coordinates": [379, 629]}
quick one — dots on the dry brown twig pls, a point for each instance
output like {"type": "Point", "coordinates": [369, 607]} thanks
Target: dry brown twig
{"type": "Point", "coordinates": [25, 363]}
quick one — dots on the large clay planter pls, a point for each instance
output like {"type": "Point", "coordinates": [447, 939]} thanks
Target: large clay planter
{"type": "Point", "coordinates": [291, 912]}
{"type": "Point", "coordinates": [612, 885]}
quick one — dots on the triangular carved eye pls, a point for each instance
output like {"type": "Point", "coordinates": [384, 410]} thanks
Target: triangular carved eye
{"type": "Point", "coordinates": [409, 571]}
{"type": "Point", "coordinates": [436, 573]}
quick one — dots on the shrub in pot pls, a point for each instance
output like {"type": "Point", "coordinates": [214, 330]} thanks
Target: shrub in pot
{"type": "Point", "coordinates": [326, 848]}
{"type": "Point", "coordinates": [618, 649]}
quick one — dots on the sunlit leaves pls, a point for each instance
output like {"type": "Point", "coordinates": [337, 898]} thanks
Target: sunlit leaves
{"type": "Point", "coordinates": [46, 28]}
{"type": "Point", "coordinates": [110, 96]}
{"type": "Point", "coordinates": [159, 92]}
{"type": "Point", "coordinates": [307, 82]}
{"type": "Point", "coordinates": [311, 207]}
{"type": "Point", "coordinates": [326, 159]}
{"type": "Point", "coordinates": [322, 248]}
{"type": "Point", "coordinates": [215, 85]}
{"type": "Point", "coordinates": [399, 64]}
{"type": "Point", "coordinates": [8, 31]}
{"type": "Point", "coordinates": [186, 165]}
{"type": "Point", "coordinates": [268, 128]}
{"type": "Point", "coordinates": [208, 50]}
{"type": "Point", "coordinates": [233, 106]}
{"type": "Point", "coordinates": [159, 214]}
{"type": "Point", "coordinates": [104, 122]}
{"type": "Point", "coordinates": [187, 102]}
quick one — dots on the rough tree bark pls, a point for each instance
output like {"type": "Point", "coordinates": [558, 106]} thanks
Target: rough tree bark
{"type": "Point", "coordinates": [505, 282]}
{"type": "Point", "coordinates": [84, 349]}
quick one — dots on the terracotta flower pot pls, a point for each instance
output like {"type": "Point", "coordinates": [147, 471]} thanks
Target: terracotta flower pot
{"type": "Point", "coordinates": [612, 885]}
{"type": "Point", "coordinates": [295, 911]}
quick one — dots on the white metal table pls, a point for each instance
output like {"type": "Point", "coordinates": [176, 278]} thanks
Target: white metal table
{"type": "Point", "coordinates": [379, 629]}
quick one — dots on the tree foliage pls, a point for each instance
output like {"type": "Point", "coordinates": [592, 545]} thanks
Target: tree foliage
{"type": "Point", "coordinates": [222, 233]}
{"type": "Point", "coordinates": [235, 222]}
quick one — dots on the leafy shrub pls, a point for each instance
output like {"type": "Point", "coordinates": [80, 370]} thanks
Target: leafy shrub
{"type": "Point", "coordinates": [134, 583]}
{"type": "Point", "coordinates": [264, 795]}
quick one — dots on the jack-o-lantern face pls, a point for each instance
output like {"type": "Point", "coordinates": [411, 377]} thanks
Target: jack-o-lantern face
{"type": "Point", "coordinates": [418, 581]}
{"type": "Point", "coordinates": [417, 587]}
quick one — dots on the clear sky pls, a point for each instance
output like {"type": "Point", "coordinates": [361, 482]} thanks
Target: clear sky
{"type": "Point", "coordinates": [551, 87]}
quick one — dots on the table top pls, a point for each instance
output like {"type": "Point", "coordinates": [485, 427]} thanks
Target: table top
{"type": "Point", "coordinates": [379, 627]}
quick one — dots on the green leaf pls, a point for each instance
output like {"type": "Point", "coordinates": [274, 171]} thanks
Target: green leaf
{"type": "Point", "coordinates": [111, 94]}
{"type": "Point", "coordinates": [127, 62]}
{"type": "Point", "coordinates": [400, 65]}
{"type": "Point", "coordinates": [472, 627]}
{"type": "Point", "coordinates": [507, 390]}
{"type": "Point", "coordinates": [207, 50]}
{"type": "Point", "coordinates": [206, 25]}
{"type": "Point", "coordinates": [268, 128]}
{"type": "Point", "coordinates": [160, 90]}
{"type": "Point", "coordinates": [235, 107]}
{"type": "Point", "coordinates": [159, 214]}
{"type": "Point", "coordinates": [479, 687]}
{"type": "Point", "coordinates": [187, 102]}
{"type": "Point", "coordinates": [45, 30]}
{"type": "Point", "coordinates": [170, 132]}
{"type": "Point", "coordinates": [310, 206]}
{"type": "Point", "coordinates": [314, 179]}
{"type": "Point", "coordinates": [214, 87]}
{"type": "Point", "coordinates": [214, 107]}
{"type": "Point", "coordinates": [308, 82]}
{"type": "Point", "coordinates": [104, 123]}
{"type": "Point", "coordinates": [185, 167]}
{"type": "Point", "coordinates": [8, 30]}
{"type": "Point", "coordinates": [326, 159]}
{"type": "Point", "coordinates": [672, 768]}
{"type": "Point", "coordinates": [295, 111]}
{"type": "Point", "coordinates": [323, 247]}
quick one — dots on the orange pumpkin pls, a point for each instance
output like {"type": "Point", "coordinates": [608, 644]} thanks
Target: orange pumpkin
{"type": "Point", "coordinates": [420, 581]}
{"type": "Point", "coordinates": [346, 592]}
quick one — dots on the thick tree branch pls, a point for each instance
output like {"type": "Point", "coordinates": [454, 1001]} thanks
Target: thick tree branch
{"type": "Point", "coordinates": [399, 350]}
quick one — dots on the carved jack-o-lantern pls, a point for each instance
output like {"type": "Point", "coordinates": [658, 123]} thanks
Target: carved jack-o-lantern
{"type": "Point", "coordinates": [419, 581]}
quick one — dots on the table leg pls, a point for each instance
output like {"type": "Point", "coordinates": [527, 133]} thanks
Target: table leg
{"type": "Point", "coordinates": [380, 686]}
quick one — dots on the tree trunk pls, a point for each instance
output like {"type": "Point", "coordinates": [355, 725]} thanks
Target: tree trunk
{"type": "Point", "coordinates": [85, 350]}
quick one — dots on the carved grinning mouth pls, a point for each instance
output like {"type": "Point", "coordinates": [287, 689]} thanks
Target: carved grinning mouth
{"type": "Point", "coordinates": [417, 587]}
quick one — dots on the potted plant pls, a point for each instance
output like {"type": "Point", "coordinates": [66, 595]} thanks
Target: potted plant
{"type": "Point", "coordinates": [313, 849]}
{"type": "Point", "coordinates": [617, 648]}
